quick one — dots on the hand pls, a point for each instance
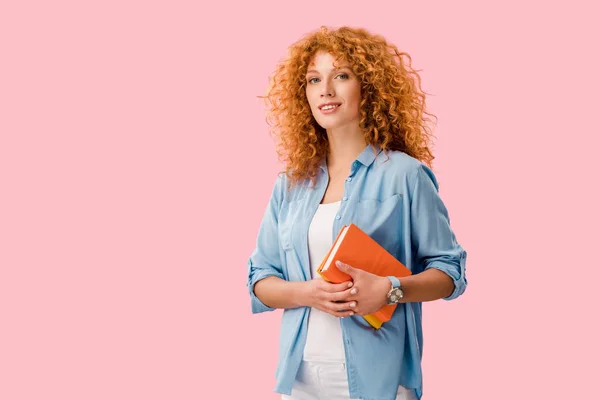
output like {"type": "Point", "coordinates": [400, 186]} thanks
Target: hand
{"type": "Point", "coordinates": [329, 297]}
{"type": "Point", "coordinates": [370, 290]}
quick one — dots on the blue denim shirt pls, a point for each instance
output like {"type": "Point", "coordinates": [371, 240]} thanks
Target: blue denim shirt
{"type": "Point", "coordinates": [394, 198]}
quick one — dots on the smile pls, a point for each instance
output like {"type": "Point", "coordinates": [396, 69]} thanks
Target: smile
{"type": "Point", "coordinates": [328, 109]}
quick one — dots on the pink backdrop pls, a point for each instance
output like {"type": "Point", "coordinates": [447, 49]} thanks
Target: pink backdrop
{"type": "Point", "coordinates": [135, 166]}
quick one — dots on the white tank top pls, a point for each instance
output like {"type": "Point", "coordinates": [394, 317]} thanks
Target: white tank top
{"type": "Point", "coordinates": [324, 341]}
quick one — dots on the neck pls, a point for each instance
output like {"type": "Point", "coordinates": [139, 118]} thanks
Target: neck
{"type": "Point", "coordinates": [345, 144]}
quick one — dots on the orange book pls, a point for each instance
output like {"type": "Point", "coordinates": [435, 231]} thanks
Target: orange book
{"type": "Point", "coordinates": [357, 249]}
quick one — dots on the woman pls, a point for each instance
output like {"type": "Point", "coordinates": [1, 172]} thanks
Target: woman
{"type": "Point", "coordinates": [351, 122]}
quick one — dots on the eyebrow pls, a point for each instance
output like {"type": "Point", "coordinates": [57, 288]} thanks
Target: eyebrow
{"type": "Point", "coordinates": [334, 69]}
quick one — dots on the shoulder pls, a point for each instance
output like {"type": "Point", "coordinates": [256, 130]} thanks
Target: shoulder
{"type": "Point", "coordinates": [284, 191]}
{"type": "Point", "coordinates": [397, 161]}
{"type": "Point", "coordinates": [399, 165]}
{"type": "Point", "coordinates": [281, 184]}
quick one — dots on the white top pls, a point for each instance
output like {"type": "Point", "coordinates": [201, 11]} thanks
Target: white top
{"type": "Point", "coordinates": [324, 341]}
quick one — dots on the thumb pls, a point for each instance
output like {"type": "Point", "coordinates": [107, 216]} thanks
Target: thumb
{"type": "Point", "coordinates": [346, 268]}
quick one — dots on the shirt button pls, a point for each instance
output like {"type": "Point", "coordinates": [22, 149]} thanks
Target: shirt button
{"type": "Point", "coordinates": [345, 198]}
{"type": "Point", "coordinates": [337, 217]}
{"type": "Point", "coordinates": [349, 179]}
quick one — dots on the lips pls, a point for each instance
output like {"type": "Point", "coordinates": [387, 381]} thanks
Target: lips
{"type": "Point", "coordinates": [329, 104]}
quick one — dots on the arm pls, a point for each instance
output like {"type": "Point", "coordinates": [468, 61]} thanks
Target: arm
{"type": "Point", "coordinates": [371, 290]}
{"type": "Point", "coordinates": [264, 261]}
{"type": "Point", "coordinates": [266, 283]}
{"type": "Point", "coordinates": [328, 297]}
{"type": "Point", "coordinates": [279, 293]}
{"type": "Point", "coordinates": [431, 284]}
{"type": "Point", "coordinates": [435, 245]}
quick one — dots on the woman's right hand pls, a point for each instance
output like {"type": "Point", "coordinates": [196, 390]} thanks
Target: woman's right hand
{"type": "Point", "coordinates": [332, 298]}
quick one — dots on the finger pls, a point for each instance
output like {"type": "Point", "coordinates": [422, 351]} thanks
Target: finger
{"type": "Point", "coordinates": [341, 313]}
{"type": "Point", "coordinates": [348, 269]}
{"type": "Point", "coordinates": [345, 295]}
{"type": "Point", "coordinates": [343, 306]}
{"type": "Point", "coordinates": [336, 313]}
{"type": "Point", "coordinates": [338, 287]}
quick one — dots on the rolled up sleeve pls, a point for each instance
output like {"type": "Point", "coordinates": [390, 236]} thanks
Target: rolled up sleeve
{"type": "Point", "coordinates": [432, 237]}
{"type": "Point", "coordinates": [265, 259]}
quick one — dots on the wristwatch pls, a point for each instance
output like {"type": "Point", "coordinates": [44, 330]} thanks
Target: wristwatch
{"type": "Point", "coordinates": [395, 294]}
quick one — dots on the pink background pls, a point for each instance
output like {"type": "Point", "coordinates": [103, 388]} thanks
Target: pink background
{"type": "Point", "coordinates": [135, 166]}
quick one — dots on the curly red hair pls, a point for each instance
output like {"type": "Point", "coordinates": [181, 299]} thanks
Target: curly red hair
{"type": "Point", "coordinates": [392, 108]}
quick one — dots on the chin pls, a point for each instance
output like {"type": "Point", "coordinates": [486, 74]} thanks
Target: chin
{"type": "Point", "coordinates": [325, 126]}
{"type": "Point", "coordinates": [329, 124]}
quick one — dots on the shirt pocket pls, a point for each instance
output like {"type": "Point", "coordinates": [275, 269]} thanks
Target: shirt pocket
{"type": "Point", "coordinates": [382, 220]}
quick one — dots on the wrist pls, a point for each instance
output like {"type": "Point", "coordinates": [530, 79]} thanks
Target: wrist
{"type": "Point", "coordinates": [299, 293]}
{"type": "Point", "coordinates": [387, 286]}
{"type": "Point", "coordinates": [395, 293]}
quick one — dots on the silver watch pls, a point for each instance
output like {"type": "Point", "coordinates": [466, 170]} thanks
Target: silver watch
{"type": "Point", "coordinates": [395, 294]}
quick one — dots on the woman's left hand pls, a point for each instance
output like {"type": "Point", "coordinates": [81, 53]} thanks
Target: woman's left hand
{"type": "Point", "coordinates": [370, 290]}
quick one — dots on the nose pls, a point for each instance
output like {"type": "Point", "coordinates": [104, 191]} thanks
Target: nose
{"type": "Point", "coordinates": [327, 90]}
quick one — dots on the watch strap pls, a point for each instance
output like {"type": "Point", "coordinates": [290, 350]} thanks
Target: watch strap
{"type": "Point", "coordinates": [395, 281]}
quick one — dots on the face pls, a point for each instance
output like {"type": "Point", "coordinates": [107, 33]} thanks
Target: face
{"type": "Point", "coordinates": [333, 93]}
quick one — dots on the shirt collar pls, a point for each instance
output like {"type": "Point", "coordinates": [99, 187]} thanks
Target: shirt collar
{"type": "Point", "coordinates": [366, 157]}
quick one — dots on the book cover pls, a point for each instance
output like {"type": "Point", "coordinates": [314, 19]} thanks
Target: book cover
{"type": "Point", "coordinates": [354, 247]}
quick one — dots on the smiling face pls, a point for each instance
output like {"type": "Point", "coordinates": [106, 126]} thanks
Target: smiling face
{"type": "Point", "coordinates": [333, 93]}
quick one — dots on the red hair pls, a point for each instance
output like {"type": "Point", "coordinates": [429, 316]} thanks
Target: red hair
{"type": "Point", "coordinates": [392, 108]}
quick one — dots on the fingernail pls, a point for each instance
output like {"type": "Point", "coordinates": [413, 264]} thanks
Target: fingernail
{"type": "Point", "coordinates": [353, 291]}
{"type": "Point", "coordinates": [349, 284]}
{"type": "Point", "coordinates": [352, 304]}
{"type": "Point", "coordinates": [351, 313]}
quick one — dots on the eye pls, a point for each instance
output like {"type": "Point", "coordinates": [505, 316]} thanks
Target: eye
{"type": "Point", "coordinates": [344, 75]}
{"type": "Point", "coordinates": [311, 80]}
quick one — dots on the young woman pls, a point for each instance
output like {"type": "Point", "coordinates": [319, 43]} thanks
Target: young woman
{"type": "Point", "coordinates": [351, 122]}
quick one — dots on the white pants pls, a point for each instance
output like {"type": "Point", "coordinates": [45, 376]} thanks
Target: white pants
{"type": "Point", "coordinates": [328, 381]}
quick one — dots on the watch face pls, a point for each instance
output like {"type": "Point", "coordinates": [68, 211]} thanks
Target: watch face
{"type": "Point", "coordinates": [395, 296]}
